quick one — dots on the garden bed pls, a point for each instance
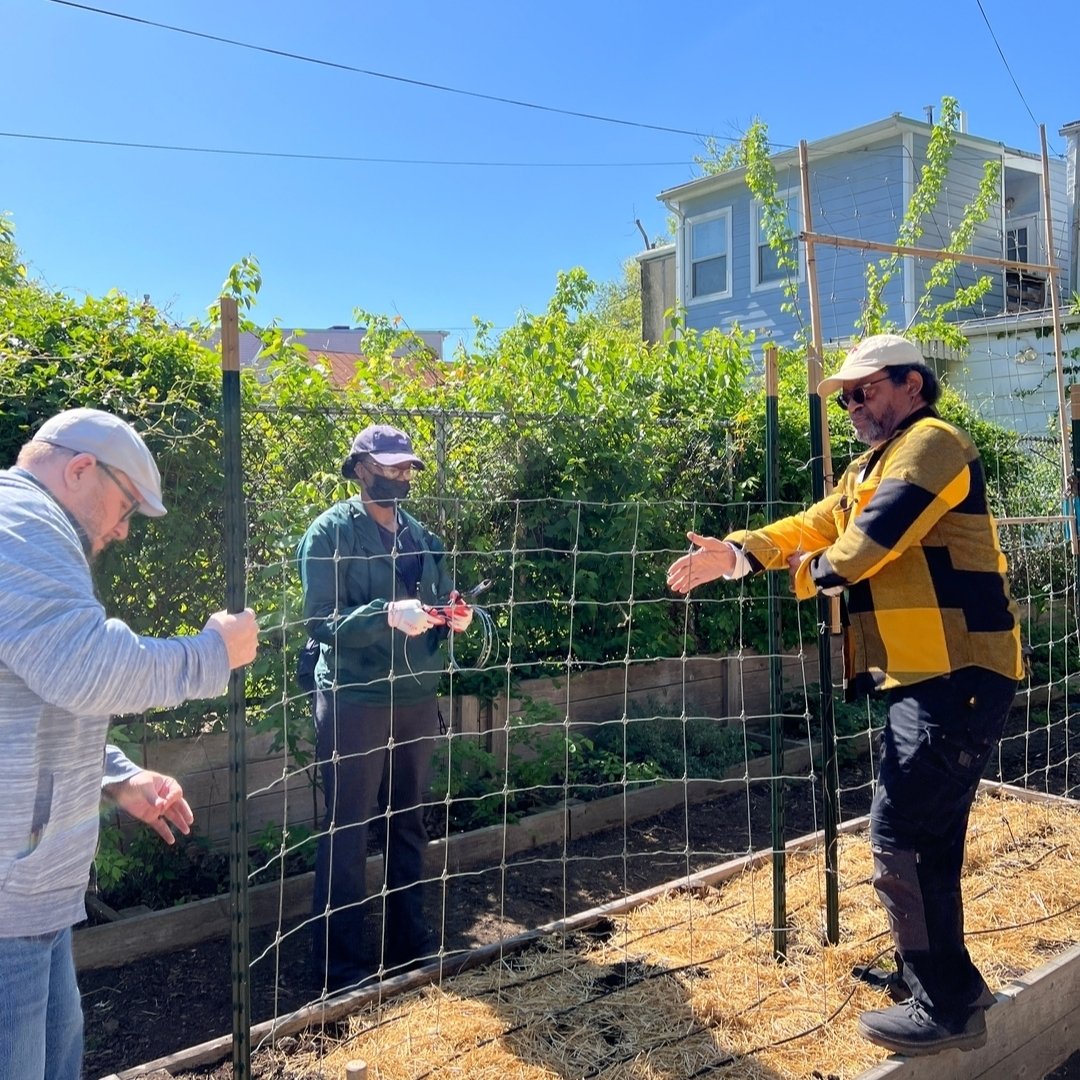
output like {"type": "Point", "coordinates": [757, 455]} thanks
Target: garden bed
{"type": "Point", "coordinates": [699, 949]}
{"type": "Point", "coordinates": [142, 935]}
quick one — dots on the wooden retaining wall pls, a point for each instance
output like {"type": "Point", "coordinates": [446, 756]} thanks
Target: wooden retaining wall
{"type": "Point", "coordinates": [729, 689]}
{"type": "Point", "coordinates": [140, 935]}
{"type": "Point", "coordinates": [1031, 1030]}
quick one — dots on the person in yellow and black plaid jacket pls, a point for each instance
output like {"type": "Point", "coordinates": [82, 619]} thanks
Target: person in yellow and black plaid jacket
{"type": "Point", "coordinates": [908, 538]}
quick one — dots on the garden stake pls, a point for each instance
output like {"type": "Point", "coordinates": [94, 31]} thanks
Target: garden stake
{"type": "Point", "coordinates": [235, 531]}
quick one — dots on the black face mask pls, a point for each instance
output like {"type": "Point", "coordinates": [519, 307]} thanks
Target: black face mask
{"type": "Point", "coordinates": [385, 492]}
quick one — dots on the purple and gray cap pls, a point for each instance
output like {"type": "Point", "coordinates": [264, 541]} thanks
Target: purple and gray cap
{"type": "Point", "coordinates": [385, 445]}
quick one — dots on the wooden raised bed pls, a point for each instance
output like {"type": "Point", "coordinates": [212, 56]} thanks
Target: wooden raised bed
{"type": "Point", "coordinates": [1031, 1030]}
{"type": "Point", "coordinates": [726, 688]}
{"type": "Point", "coordinates": [128, 939]}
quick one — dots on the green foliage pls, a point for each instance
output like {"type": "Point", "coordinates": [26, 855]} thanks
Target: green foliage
{"type": "Point", "coordinates": [278, 851]}
{"type": "Point", "coordinates": [12, 270]}
{"type": "Point", "coordinates": [931, 321]}
{"type": "Point", "coordinates": [752, 153]}
{"type": "Point", "coordinates": [720, 158]}
{"type": "Point", "coordinates": [691, 748]}
{"type": "Point", "coordinates": [618, 303]}
{"type": "Point", "coordinates": [775, 220]}
{"type": "Point", "coordinates": [143, 870]}
{"type": "Point", "coordinates": [568, 458]}
{"type": "Point", "coordinates": [547, 762]}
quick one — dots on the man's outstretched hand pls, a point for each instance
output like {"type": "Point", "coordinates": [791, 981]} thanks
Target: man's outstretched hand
{"type": "Point", "coordinates": [712, 559]}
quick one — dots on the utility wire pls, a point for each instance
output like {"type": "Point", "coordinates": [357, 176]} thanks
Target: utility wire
{"type": "Point", "coordinates": [1001, 53]}
{"type": "Point", "coordinates": [341, 157]}
{"type": "Point", "coordinates": [391, 78]}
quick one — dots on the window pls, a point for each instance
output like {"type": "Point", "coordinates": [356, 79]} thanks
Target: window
{"type": "Point", "coordinates": [709, 269]}
{"type": "Point", "coordinates": [1016, 244]}
{"type": "Point", "coordinates": [767, 269]}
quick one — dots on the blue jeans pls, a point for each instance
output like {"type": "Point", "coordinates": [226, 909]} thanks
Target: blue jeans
{"type": "Point", "coordinates": [41, 1021]}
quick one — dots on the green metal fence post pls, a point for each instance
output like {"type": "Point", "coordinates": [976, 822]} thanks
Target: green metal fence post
{"type": "Point", "coordinates": [776, 684]}
{"type": "Point", "coordinates": [235, 532]}
{"type": "Point", "coordinates": [821, 462]}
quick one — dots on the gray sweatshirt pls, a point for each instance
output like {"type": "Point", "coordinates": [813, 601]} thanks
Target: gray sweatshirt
{"type": "Point", "coordinates": [64, 670]}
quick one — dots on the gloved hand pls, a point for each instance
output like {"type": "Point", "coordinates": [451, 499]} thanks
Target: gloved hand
{"type": "Point", "coordinates": [458, 616]}
{"type": "Point", "coordinates": [410, 617]}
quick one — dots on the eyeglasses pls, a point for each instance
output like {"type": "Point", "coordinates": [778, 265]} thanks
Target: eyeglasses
{"type": "Point", "coordinates": [391, 472]}
{"type": "Point", "coordinates": [134, 501]}
{"type": "Point", "coordinates": [858, 394]}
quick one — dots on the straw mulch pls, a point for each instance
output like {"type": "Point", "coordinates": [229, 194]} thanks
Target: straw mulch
{"type": "Point", "coordinates": [687, 986]}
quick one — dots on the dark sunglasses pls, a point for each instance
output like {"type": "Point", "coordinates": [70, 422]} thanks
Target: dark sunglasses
{"type": "Point", "coordinates": [858, 394]}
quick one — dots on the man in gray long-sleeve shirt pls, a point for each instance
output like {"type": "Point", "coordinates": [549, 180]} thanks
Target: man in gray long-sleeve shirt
{"type": "Point", "coordinates": [64, 670]}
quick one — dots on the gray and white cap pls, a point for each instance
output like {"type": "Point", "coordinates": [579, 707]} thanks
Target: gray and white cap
{"type": "Point", "coordinates": [112, 441]}
{"type": "Point", "coordinates": [871, 355]}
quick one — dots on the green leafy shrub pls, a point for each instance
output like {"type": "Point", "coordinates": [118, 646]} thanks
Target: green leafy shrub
{"type": "Point", "coordinates": [143, 870]}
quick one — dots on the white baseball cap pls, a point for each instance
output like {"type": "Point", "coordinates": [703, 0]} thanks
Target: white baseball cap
{"type": "Point", "coordinates": [872, 354]}
{"type": "Point", "coordinates": [112, 441]}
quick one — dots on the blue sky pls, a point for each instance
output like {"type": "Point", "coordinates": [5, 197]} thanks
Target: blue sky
{"type": "Point", "coordinates": [438, 244]}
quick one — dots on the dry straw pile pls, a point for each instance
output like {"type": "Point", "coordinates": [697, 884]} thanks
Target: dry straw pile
{"type": "Point", "coordinates": [687, 986]}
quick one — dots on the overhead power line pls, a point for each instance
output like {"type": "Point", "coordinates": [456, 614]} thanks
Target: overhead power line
{"type": "Point", "coordinates": [391, 78]}
{"type": "Point", "coordinates": [1001, 53]}
{"type": "Point", "coordinates": [340, 157]}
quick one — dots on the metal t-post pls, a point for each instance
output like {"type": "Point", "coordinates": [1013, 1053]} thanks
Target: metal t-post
{"type": "Point", "coordinates": [821, 474]}
{"type": "Point", "coordinates": [235, 532]}
{"type": "Point", "coordinates": [776, 684]}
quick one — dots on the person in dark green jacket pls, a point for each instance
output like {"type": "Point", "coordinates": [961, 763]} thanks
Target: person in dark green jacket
{"type": "Point", "coordinates": [378, 600]}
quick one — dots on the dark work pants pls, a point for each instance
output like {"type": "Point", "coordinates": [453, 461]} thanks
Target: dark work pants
{"type": "Point", "coordinates": [384, 764]}
{"type": "Point", "coordinates": [939, 736]}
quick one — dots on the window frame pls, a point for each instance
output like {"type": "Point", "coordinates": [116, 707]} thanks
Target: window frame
{"type": "Point", "coordinates": [756, 285]}
{"type": "Point", "coordinates": [701, 219]}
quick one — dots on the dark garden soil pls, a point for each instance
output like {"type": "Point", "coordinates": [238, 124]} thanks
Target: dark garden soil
{"type": "Point", "coordinates": [173, 1001]}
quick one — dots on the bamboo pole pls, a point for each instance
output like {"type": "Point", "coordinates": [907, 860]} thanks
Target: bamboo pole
{"type": "Point", "coordinates": [1067, 476]}
{"type": "Point", "coordinates": [235, 531]}
{"type": "Point", "coordinates": [826, 240]}
{"type": "Point", "coordinates": [813, 356]}
{"type": "Point", "coordinates": [827, 609]}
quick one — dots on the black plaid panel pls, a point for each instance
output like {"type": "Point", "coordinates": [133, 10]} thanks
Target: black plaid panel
{"type": "Point", "coordinates": [896, 505]}
{"type": "Point", "coordinates": [975, 500]}
{"type": "Point", "coordinates": [860, 598]}
{"type": "Point", "coordinates": [978, 594]}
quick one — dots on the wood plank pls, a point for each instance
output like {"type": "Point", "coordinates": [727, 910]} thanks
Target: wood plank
{"type": "Point", "coordinates": [666, 676]}
{"type": "Point", "coordinates": [178, 757]}
{"type": "Point", "coordinates": [210, 787]}
{"type": "Point", "coordinates": [485, 848]}
{"type": "Point", "coordinates": [465, 711]}
{"type": "Point", "coordinates": [600, 814]}
{"type": "Point", "coordinates": [612, 680]}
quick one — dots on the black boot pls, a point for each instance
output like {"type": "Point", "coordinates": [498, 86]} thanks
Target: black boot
{"type": "Point", "coordinates": [910, 1029]}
